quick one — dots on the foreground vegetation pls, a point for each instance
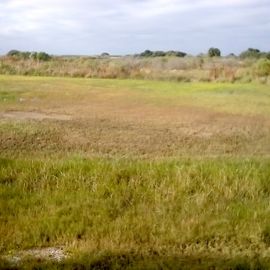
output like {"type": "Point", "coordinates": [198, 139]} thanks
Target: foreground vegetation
{"type": "Point", "coordinates": [179, 208]}
{"type": "Point", "coordinates": [134, 174]}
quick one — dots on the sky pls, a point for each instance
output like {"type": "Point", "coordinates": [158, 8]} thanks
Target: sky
{"type": "Point", "coordinates": [86, 27]}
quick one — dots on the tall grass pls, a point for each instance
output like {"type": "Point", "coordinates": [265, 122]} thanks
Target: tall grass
{"type": "Point", "coordinates": [161, 68]}
{"type": "Point", "coordinates": [216, 207]}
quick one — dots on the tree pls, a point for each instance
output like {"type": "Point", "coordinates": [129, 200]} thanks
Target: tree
{"type": "Point", "coordinates": [180, 54]}
{"type": "Point", "coordinates": [42, 56]}
{"type": "Point", "coordinates": [214, 52]}
{"type": "Point", "coordinates": [105, 54]}
{"type": "Point", "coordinates": [13, 53]}
{"type": "Point", "coordinates": [159, 53]}
{"type": "Point", "coordinates": [176, 53]}
{"type": "Point", "coordinates": [251, 53]}
{"type": "Point", "coordinates": [147, 53]}
{"type": "Point", "coordinates": [25, 55]}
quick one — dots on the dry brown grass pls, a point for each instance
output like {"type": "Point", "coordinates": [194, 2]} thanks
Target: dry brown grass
{"type": "Point", "coordinates": [96, 119]}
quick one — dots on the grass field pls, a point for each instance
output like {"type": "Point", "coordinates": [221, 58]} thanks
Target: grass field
{"type": "Point", "coordinates": [135, 174]}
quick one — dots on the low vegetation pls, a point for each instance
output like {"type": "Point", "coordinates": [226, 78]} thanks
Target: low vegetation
{"type": "Point", "coordinates": [148, 53]}
{"type": "Point", "coordinates": [161, 209]}
{"type": "Point", "coordinates": [151, 65]}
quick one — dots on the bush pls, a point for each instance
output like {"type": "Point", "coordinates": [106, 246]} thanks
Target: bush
{"type": "Point", "coordinates": [42, 56]}
{"type": "Point", "coordinates": [105, 54]}
{"type": "Point", "coordinates": [251, 53]}
{"type": "Point", "coordinates": [25, 55]}
{"type": "Point", "coordinates": [146, 53]}
{"type": "Point", "coordinates": [159, 54]}
{"type": "Point", "coordinates": [176, 53]}
{"type": "Point", "coordinates": [13, 53]}
{"type": "Point", "coordinates": [263, 67]}
{"type": "Point", "coordinates": [214, 52]}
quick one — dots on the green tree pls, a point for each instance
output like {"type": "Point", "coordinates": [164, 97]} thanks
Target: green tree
{"type": "Point", "coordinates": [146, 53]}
{"type": "Point", "coordinates": [159, 53]}
{"type": "Point", "coordinates": [214, 52]}
{"type": "Point", "coordinates": [42, 56]}
{"type": "Point", "coordinates": [13, 53]}
{"type": "Point", "coordinates": [251, 53]}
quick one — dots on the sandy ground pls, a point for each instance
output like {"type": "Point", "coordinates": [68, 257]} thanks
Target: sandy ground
{"type": "Point", "coordinates": [47, 254]}
{"type": "Point", "coordinates": [24, 115]}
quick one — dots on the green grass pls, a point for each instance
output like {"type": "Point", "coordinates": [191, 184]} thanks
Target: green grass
{"type": "Point", "coordinates": [178, 207]}
{"type": "Point", "coordinates": [236, 98]}
{"type": "Point", "coordinates": [146, 174]}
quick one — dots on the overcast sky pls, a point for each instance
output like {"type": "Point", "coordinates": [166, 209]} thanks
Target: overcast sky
{"type": "Point", "coordinates": [129, 26]}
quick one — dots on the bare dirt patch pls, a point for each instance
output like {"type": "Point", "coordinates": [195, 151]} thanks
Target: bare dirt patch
{"type": "Point", "coordinates": [24, 115]}
{"type": "Point", "coordinates": [47, 254]}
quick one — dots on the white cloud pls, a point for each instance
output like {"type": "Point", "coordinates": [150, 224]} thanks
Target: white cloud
{"type": "Point", "coordinates": [90, 26]}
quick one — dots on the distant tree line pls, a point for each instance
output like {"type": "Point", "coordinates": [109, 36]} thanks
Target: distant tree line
{"type": "Point", "coordinates": [212, 52]}
{"type": "Point", "coordinates": [254, 53]}
{"type": "Point", "coordinates": [40, 56]}
{"type": "Point", "coordinates": [148, 53]}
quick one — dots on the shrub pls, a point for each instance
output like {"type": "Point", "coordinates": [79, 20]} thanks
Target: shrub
{"type": "Point", "coordinates": [42, 56]}
{"type": "Point", "coordinates": [263, 67]}
{"type": "Point", "coordinates": [251, 53]}
{"type": "Point", "coordinates": [212, 52]}
{"type": "Point", "coordinates": [25, 55]}
{"type": "Point", "coordinates": [105, 54]}
{"type": "Point", "coordinates": [146, 53]}
{"type": "Point", "coordinates": [159, 54]}
{"type": "Point", "coordinates": [13, 53]}
{"type": "Point", "coordinates": [176, 53]}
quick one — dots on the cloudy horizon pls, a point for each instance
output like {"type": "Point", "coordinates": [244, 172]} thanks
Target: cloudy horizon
{"type": "Point", "coordinates": [131, 26]}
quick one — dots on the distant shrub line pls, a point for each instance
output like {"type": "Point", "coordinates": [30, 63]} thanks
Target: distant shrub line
{"type": "Point", "coordinates": [212, 52]}
{"type": "Point", "coordinates": [148, 53]}
{"type": "Point", "coordinates": [250, 65]}
{"type": "Point", "coordinates": [41, 56]}
{"type": "Point", "coordinates": [254, 53]}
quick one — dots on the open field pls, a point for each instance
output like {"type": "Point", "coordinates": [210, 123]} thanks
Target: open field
{"type": "Point", "coordinates": [135, 174]}
{"type": "Point", "coordinates": [133, 118]}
